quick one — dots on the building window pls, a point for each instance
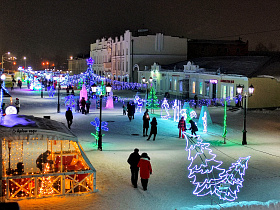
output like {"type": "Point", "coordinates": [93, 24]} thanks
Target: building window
{"type": "Point", "coordinates": [200, 88]}
{"type": "Point", "coordinates": [170, 84]}
{"type": "Point", "coordinates": [193, 87]}
{"type": "Point", "coordinates": [175, 85]}
{"type": "Point", "coordinates": [224, 91]}
{"type": "Point", "coordinates": [207, 88]}
{"type": "Point", "coordinates": [231, 93]}
{"type": "Point", "coordinates": [181, 86]}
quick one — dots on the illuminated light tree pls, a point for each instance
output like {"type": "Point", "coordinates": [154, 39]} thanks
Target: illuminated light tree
{"type": "Point", "coordinates": [70, 102]}
{"type": "Point", "coordinates": [139, 102]}
{"type": "Point", "coordinates": [51, 91]}
{"type": "Point", "coordinates": [152, 101]}
{"type": "Point", "coordinates": [176, 108]}
{"type": "Point", "coordinates": [89, 74]}
{"type": "Point", "coordinates": [201, 121]}
{"type": "Point", "coordinates": [96, 125]}
{"type": "Point", "coordinates": [207, 175]}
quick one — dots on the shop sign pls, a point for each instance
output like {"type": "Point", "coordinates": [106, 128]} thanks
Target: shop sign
{"type": "Point", "coordinates": [24, 131]}
{"type": "Point", "coordinates": [227, 81]}
{"type": "Point", "coordinates": [213, 81]}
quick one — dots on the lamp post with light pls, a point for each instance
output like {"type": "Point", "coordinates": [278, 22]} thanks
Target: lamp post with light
{"type": "Point", "coordinates": [244, 95]}
{"type": "Point", "coordinates": [147, 89]}
{"type": "Point", "coordinates": [8, 53]}
{"type": "Point", "coordinates": [103, 90]}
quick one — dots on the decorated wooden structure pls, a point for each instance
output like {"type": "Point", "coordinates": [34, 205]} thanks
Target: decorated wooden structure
{"type": "Point", "coordinates": [32, 149]}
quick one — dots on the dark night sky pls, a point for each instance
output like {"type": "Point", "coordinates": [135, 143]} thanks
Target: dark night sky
{"type": "Point", "coordinates": [47, 29]}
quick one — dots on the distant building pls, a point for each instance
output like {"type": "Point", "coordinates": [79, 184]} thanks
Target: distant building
{"type": "Point", "coordinates": [77, 65]}
{"type": "Point", "coordinates": [121, 58]}
{"type": "Point", "coordinates": [208, 48]}
{"type": "Point", "coordinates": [218, 77]}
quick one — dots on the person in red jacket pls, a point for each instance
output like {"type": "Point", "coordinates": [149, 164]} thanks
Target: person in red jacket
{"type": "Point", "coordinates": [145, 169]}
{"type": "Point", "coordinates": [182, 126]}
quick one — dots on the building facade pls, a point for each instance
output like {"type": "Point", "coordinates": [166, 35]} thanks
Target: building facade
{"type": "Point", "coordinates": [77, 65]}
{"type": "Point", "coordinates": [194, 80]}
{"type": "Point", "coordinates": [121, 58]}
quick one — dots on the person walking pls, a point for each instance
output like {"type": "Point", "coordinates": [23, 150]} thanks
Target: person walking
{"type": "Point", "coordinates": [83, 105]}
{"type": "Point", "coordinates": [193, 127]}
{"type": "Point", "coordinates": [145, 170]}
{"type": "Point", "coordinates": [88, 103]}
{"type": "Point", "coordinates": [133, 109]}
{"type": "Point", "coordinates": [133, 161]}
{"type": "Point", "coordinates": [181, 126]}
{"type": "Point", "coordinates": [153, 129]}
{"type": "Point", "coordinates": [17, 105]}
{"type": "Point", "coordinates": [129, 111]}
{"type": "Point", "coordinates": [146, 120]}
{"type": "Point", "coordinates": [78, 106]}
{"type": "Point", "coordinates": [124, 109]}
{"type": "Point", "coordinates": [69, 117]}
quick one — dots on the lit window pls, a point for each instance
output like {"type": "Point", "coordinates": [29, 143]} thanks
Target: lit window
{"type": "Point", "coordinates": [193, 87]}
{"type": "Point", "coordinates": [200, 88]}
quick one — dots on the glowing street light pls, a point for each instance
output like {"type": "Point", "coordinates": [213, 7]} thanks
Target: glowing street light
{"type": "Point", "coordinates": [8, 53]}
{"type": "Point", "coordinates": [245, 94]}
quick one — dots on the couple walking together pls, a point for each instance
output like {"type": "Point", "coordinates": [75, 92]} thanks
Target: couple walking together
{"type": "Point", "coordinates": [146, 120]}
{"type": "Point", "coordinates": [143, 162]}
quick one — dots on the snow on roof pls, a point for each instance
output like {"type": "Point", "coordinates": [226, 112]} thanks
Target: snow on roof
{"type": "Point", "coordinates": [29, 127]}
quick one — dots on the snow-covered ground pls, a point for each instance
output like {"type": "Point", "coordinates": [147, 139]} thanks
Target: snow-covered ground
{"type": "Point", "coordinates": [169, 186]}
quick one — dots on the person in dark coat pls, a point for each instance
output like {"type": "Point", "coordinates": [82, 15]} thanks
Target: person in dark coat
{"type": "Point", "coordinates": [129, 111]}
{"type": "Point", "coordinates": [133, 109]}
{"type": "Point", "coordinates": [69, 117]}
{"type": "Point", "coordinates": [17, 105]}
{"type": "Point", "coordinates": [124, 109]}
{"type": "Point", "coordinates": [133, 161]}
{"type": "Point", "coordinates": [88, 103]}
{"type": "Point", "coordinates": [146, 120]}
{"type": "Point", "coordinates": [83, 105]}
{"type": "Point", "coordinates": [153, 129]}
{"type": "Point", "coordinates": [193, 127]}
{"type": "Point", "coordinates": [145, 170]}
{"type": "Point", "coordinates": [43, 159]}
{"type": "Point", "coordinates": [181, 126]}
{"type": "Point", "coordinates": [78, 106]}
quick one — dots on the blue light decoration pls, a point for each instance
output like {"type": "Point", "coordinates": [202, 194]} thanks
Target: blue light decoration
{"type": "Point", "coordinates": [165, 106]}
{"type": "Point", "coordinates": [96, 125]}
{"type": "Point", "coordinates": [228, 182]}
{"type": "Point", "coordinates": [51, 91]}
{"type": "Point", "coordinates": [176, 110]}
{"type": "Point", "coordinates": [204, 118]}
{"type": "Point", "coordinates": [139, 102]}
{"type": "Point", "coordinates": [70, 102]}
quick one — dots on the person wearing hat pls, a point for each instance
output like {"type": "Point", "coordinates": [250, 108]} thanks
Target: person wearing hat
{"type": "Point", "coordinates": [17, 105]}
{"type": "Point", "coordinates": [145, 169]}
{"type": "Point", "coordinates": [133, 161]}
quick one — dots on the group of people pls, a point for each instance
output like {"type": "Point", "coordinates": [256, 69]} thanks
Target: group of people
{"type": "Point", "coordinates": [130, 110]}
{"type": "Point", "coordinates": [146, 125]}
{"type": "Point", "coordinates": [83, 105]}
{"type": "Point", "coordinates": [142, 162]}
{"type": "Point", "coordinates": [182, 127]}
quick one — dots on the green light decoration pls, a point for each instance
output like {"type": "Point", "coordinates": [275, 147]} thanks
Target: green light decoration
{"type": "Point", "coordinates": [225, 123]}
{"type": "Point", "coordinates": [152, 101]}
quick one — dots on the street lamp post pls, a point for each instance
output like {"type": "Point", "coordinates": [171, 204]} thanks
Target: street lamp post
{"type": "Point", "coordinates": [245, 94]}
{"type": "Point", "coordinates": [103, 90]}
{"type": "Point", "coordinates": [3, 59]}
{"type": "Point", "coordinates": [24, 64]}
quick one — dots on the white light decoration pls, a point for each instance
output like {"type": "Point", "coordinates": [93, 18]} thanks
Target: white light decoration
{"type": "Point", "coordinates": [11, 110]}
{"type": "Point", "coordinates": [204, 118]}
{"type": "Point", "coordinates": [165, 106]}
{"type": "Point", "coordinates": [176, 110]}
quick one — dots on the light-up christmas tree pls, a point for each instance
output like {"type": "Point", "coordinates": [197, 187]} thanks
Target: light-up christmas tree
{"type": "Point", "coordinates": [96, 124]}
{"type": "Point", "coordinates": [208, 176]}
{"type": "Point", "coordinates": [152, 101]}
{"type": "Point", "coordinates": [89, 74]}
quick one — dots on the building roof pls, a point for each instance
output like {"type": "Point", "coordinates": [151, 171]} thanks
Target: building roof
{"type": "Point", "coordinates": [224, 42]}
{"type": "Point", "coordinates": [249, 66]}
{"type": "Point", "coordinates": [25, 127]}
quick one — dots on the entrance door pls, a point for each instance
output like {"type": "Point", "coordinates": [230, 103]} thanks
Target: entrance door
{"type": "Point", "coordinates": [214, 90]}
